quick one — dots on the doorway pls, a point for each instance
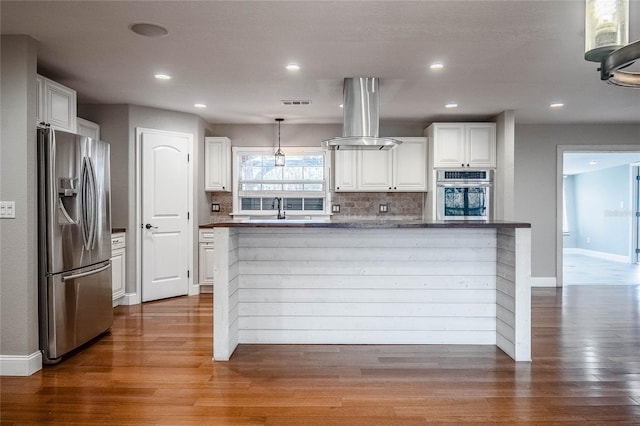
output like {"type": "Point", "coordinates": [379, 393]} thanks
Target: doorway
{"type": "Point", "coordinates": [598, 200]}
{"type": "Point", "coordinates": [165, 203]}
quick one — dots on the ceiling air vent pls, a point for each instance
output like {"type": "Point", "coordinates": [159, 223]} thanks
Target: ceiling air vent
{"type": "Point", "coordinates": [295, 102]}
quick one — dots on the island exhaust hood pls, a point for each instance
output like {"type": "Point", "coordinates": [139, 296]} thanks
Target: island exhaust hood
{"type": "Point", "coordinates": [360, 118]}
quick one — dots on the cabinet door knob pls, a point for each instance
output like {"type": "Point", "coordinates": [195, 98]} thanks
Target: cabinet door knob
{"type": "Point", "coordinates": [389, 187]}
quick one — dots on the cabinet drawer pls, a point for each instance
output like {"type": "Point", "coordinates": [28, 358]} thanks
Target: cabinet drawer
{"type": "Point", "coordinates": [117, 241]}
{"type": "Point", "coordinates": [206, 236]}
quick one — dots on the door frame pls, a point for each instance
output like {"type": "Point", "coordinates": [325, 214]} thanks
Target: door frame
{"type": "Point", "coordinates": [138, 201]}
{"type": "Point", "coordinates": [562, 149]}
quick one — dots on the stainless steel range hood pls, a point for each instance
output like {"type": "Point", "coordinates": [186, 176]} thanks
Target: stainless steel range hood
{"type": "Point", "coordinates": [360, 118]}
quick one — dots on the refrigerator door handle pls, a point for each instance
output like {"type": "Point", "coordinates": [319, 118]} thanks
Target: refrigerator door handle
{"type": "Point", "coordinates": [88, 202]}
{"type": "Point", "coordinates": [85, 274]}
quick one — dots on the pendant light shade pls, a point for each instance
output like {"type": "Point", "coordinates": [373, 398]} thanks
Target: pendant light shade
{"type": "Point", "coordinates": [606, 40]}
{"type": "Point", "coordinates": [606, 27]}
{"type": "Point", "coordinates": [279, 156]}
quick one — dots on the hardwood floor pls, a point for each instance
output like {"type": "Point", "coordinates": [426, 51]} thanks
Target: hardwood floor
{"type": "Point", "coordinates": [155, 368]}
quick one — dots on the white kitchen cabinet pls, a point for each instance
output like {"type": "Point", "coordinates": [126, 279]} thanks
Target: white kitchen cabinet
{"type": "Point", "coordinates": [456, 145]}
{"type": "Point", "coordinates": [410, 165]}
{"type": "Point", "coordinates": [374, 170]}
{"type": "Point", "coordinates": [403, 168]}
{"type": "Point", "coordinates": [56, 104]}
{"type": "Point", "coordinates": [217, 164]}
{"type": "Point", "coordinates": [205, 257]}
{"type": "Point", "coordinates": [118, 265]}
{"type": "Point", "coordinates": [88, 128]}
{"type": "Point", "coordinates": [345, 170]}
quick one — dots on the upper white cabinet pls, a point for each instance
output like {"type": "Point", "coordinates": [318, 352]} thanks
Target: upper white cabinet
{"type": "Point", "coordinates": [345, 170]}
{"type": "Point", "coordinates": [217, 164]}
{"type": "Point", "coordinates": [374, 170]}
{"type": "Point", "coordinates": [403, 168]}
{"type": "Point", "coordinates": [88, 128]}
{"type": "Point", "coordinates": [410, 165]}
{"type": "Point", "coordinates": [56, 104]}
{"type": "Point", "coordinates": [458, 145]}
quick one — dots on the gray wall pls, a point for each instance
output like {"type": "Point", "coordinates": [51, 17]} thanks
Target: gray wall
{"type": "Point", "coordinates": [114, 128]}
{"type": "Point", "coordinates": [18, 237]}
{"type": "Point", "coordinates": [602, 224]}
{"type": "Point", "coordinates": [536, 173]}
{"type": "Point", "coordinates": [300, 134]}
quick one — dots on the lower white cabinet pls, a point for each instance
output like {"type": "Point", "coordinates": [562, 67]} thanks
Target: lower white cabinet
{"type": "Point", "coordinates": [205, 257]}
{"type": "Point", "coordinates": [118, 265]}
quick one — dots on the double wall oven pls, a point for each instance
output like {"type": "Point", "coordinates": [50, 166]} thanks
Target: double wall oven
{"type": "Point", "coordinates": [464, 194]}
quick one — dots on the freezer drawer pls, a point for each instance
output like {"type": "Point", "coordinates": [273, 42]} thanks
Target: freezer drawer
{"type": "Point", "coordinates": [76, 306]}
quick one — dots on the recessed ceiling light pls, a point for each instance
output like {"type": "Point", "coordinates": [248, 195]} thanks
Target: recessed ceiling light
{"type": "Point", "coordinates": [200, 105]}
{"type": "Point", "coordinates": [436, 66]}
{"type": "Point", "coordinates": [341, 106]}
{"type": "Point", "coordinates": [293, 67]}
{"type": "Point", "coordinates": [163, 76]}
{"type": "Point", "coordinates": [148, 30]}
{"type": "Point", "coordinates": [556, 105]}
{"type": "Point", "coordinates": [593, 162]}
{"type": "Point", "coordinates": [451, 105]}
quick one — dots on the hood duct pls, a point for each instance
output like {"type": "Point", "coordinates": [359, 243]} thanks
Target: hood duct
{"type": "Point", "coordinates": [360, 117]}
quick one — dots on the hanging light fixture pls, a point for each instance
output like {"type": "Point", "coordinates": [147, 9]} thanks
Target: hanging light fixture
{"type": "Point", "coordinates": [279, 156]}
{"type": "Point", "coordinates": [607, 41]}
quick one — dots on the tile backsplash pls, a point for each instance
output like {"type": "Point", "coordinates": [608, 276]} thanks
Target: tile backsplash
{"type": "Point", "coordinates": [366, 205]}
{"type": "Point", "coordinates": [353, 205]}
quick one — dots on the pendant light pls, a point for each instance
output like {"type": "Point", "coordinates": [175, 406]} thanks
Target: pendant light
{"type": "Point", "coordinates": [279, 156]}
{"type": "Point", "coordinates": [607, 41]}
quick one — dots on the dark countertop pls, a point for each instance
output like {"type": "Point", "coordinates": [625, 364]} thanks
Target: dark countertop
{"type": "Point", "coordinates": [365, 224]}
{"type": "Point", "coordinates": [116, 230]}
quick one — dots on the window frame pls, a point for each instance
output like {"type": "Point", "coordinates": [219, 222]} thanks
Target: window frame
{"type": "Point", "coordinates": [237, 153]}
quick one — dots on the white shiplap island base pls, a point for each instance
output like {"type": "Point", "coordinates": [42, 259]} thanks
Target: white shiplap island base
{"type": "Point", "coordinates": [372, 283]}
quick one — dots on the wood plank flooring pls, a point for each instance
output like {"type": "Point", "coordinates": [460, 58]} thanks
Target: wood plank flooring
{"type": "Point", "coordinates": [155, 368]}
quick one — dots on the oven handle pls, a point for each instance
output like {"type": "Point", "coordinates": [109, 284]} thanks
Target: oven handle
{"type": "Point", "coordinates": [464, 185]}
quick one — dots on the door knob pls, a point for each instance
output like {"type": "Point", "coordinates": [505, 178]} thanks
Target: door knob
{"type": "Point", "coordinates": [149, 226]}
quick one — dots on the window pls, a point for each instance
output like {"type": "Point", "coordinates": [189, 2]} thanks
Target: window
{"type": "Point", "coordinates": [301, 183]}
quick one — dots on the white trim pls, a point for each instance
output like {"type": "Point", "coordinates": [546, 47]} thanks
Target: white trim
{"type": "Point", "coordinates": [138, 205]}
{"type": "Point", "coordinates": [130, 299]}
{"type": "Point", "coordinates": [543, 282]}
{"type": "Point", "coordinates": [20, 365]}
{"type": "Point", "coordinates": [599, 254]}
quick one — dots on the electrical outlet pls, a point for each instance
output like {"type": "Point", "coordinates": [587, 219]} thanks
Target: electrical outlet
{"type": "Point", "coordinates": [215, 207]}
{"type": "Point", "coordinates": [384, 208]}
{"type": "Point", "coordinates": [7, 209]}
{"type": "Point", "coordinates": [335, 208]}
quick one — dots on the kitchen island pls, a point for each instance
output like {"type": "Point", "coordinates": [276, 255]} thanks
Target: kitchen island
{"type": "Point", "coordinates": [372, 282]}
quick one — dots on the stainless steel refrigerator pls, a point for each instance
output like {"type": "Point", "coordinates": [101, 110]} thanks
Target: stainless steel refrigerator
{"type": "Point", "coordinates": [74, 219]}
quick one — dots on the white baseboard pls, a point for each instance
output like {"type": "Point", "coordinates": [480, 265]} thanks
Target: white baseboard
{"type": "Point", "coordinates": [130, 299]}
{"type": "Point", "coordinates": [599, 254]}
{"type": "Point", "coordinates": [544, 282]}
{"type": "Point", "coordinates": [206, 288]}
{"type": "Point", "coordinates": [20, 365]}
{"type": "Point", "coordinates": [194, 289]}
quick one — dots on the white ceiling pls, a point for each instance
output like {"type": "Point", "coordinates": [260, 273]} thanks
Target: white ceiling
{"type": "Point", "coordinates": [582, 162]}
{"type": "Point", "coordinates": [498, 55]}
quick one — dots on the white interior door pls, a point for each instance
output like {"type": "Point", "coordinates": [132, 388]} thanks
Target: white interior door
{"type": "Point", "coordinates": [165, 214]}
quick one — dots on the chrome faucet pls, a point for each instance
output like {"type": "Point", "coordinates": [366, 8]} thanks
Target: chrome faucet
{"type": "Point", "coordinates": [281, 212]}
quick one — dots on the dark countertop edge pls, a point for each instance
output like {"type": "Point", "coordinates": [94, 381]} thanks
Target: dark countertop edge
{"type": "Point", "coordinates": [496, 224]}
{"type": "Point", "coordinates": [118, 230]}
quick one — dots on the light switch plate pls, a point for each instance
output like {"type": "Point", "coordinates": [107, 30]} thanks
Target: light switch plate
{"type": "Point", "coordinates": [7, 209]}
